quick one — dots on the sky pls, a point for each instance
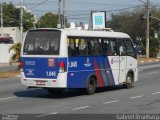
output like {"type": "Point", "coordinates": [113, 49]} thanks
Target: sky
{"type": "Point", "coordinates": [79, 10]}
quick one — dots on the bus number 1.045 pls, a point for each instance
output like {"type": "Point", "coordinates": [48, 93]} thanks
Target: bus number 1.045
{"type": "Point", "coordinates": [50, 73]}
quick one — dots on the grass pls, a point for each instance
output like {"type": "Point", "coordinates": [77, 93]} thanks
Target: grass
{"type": "Point", "coordinates": [9, 74]}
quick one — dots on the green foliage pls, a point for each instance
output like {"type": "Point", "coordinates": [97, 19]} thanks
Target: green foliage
{"type": "Point", "coordinates": [11, 16]}
{"type": "Point", "coordinates": [16, 48]}
{"type": "Point", "coordinates": [49, 20]}
{"type": "Point", "coordinates": [131, 22]}
{"type": "Point", "coordinates": [28, 21]}
{"type": "Point", "coordinates": [153, 47]}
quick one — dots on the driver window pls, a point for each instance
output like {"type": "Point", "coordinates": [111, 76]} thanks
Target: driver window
{"type": "Point", "coordinates": [122, 48]}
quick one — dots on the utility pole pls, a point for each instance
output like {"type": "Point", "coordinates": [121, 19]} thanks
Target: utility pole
{"type": "Point", "coordinates": [64, 5]}
{"type": "Point", "coordinates": [21, 21]}
{"type": "Point", "coordinates": [59, 14]}
{"type": "Point", "coordinates": [147, 32]}
{"type": "Point", "coordinates": [1, 19]}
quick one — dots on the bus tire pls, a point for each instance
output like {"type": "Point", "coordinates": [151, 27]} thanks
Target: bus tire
{"type": "Point", "coordinates": [55, 91]}
{"type": "Point", "coordinates": [91, 86]}
{"type": "Point", "coordinates": [129, 81]}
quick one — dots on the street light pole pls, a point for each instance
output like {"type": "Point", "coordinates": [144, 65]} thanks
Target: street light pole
{"type": "Point", "coordinates": [147, 32]}
{"type": "Point", "coordinates": [59, 14]}
{"type": "Point", "coordinates": [21, 21]}
{"type": "Point", "coordinates": [64, 4]}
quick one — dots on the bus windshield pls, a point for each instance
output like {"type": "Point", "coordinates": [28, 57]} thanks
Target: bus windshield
{"type": "Point", "coordinates": [42, 42]}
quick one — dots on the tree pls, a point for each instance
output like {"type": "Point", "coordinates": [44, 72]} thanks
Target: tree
{"type": "Point", "coordinates": [16, 48]}
{"type": "Point", "coordinates": [131, 22]}
{"type": "Point", "coordinates": [49, 20]}
{"type": "Point", "coordinates": [28, 21]}
{"type": "Point", "coordinates": [154, 24]}
{"type": "Point", "coordinates": [11, 17]}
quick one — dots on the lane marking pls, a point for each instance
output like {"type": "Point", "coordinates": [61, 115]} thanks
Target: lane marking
{"type": "Point", "coordinates": [47, 114]}
{"type": "Point", "coordinates": [151, 66]}
{"type": "Point", "coordinates": [152, 73]}
{"type": "Point", "coordinates": [79, 108]}
{"type": "Point", "coordinates": [7, 98]}
{"type": "Point", "coordinates": [155, 93]}
{"type": "Point", "coordinates": [140, 70]}
{"type": "Point", "coordinates": [136, 97]}
{"type": "Point", "coordinates": [111, 102]}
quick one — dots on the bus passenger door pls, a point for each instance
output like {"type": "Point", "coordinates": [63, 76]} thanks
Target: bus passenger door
{"type": "Point", "coordinates": [122, 60]}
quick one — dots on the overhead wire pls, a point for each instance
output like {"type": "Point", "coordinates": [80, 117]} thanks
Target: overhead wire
{"type": "Point", "coordinates": [73, 14]}
{"type": "Point", "coordinates": [38, 4]}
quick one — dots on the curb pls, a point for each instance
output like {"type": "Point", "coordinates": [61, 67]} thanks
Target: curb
{"type": "Point", "coordinates": [149, 61]}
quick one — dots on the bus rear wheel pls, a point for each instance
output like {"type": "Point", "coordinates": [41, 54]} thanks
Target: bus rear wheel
{"type": "Point", "coordinates": [129, 81]}
{"type": "Point", "coordinates": [91, 86]}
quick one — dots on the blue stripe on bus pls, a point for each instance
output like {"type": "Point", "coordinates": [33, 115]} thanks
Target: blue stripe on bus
{"type": "Point", "coordinates": [106, 67]}
{"type": "Point", "coordinates": [110, 71]}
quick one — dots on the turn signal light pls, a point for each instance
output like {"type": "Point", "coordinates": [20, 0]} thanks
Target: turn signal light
{"type": "Point", "coordinates": [21, 64]}
{"type": "Point", "coordinates": [61, 67]}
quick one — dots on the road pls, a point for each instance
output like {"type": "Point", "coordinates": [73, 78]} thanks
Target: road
{"type": "Point", "coordinates": [143, 98]}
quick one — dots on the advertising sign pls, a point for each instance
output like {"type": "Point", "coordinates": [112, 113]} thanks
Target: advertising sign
{"type": "Point", "coordinates": [99, 20]}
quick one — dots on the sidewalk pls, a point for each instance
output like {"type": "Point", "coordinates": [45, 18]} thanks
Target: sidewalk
{"type": "Point", "coordinates": [143, 60]}
{"type": "Point", "coordinates": [8, 71]}
{"type": "Point", "coordinates": [8, 65]}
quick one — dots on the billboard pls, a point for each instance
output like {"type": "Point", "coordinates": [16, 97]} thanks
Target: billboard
{"type": "Point", "coordinates": [98, 20]}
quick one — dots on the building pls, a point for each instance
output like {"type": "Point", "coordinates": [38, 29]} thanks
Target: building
{"type": "Point", "coordinates": [13, 33]}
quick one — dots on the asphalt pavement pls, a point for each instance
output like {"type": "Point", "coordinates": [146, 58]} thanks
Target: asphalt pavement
{"type": "Point", "coordinates": [144, 98]}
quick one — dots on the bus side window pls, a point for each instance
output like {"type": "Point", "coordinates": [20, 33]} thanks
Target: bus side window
{"type": "Point", "coordinates": [113, 47]}
{"type": "Point", "coordinates": [96, 48]}
{"type": "Point", "coordinates": [104, 46]}
{"type": "Point", "coordinates": [122, 47]}
{"type": "Point", "coordinates": [109, 47]}
{"type": "Point", "coordinates": [130, 48]}
{"type": "Point", "coordinates": [71, 47]}
{"type": "Point", "coordinates": [90, 46]}
{"type": "Point", "coordinates": [83, 47]}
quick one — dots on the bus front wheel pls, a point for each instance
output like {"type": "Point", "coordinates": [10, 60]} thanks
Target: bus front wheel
{"type": "Point", "coordinates": [129, 81]}
{"type": "Point", "coordinates": [91, 86]}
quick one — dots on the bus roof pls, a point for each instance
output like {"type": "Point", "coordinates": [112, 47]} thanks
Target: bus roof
{"type": "Point", "coordinates": [84, 33]}
{"type": "Point", "coordinates": [98, 34]}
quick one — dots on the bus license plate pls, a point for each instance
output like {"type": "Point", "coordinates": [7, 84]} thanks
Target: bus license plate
{"type": "Point", "coordinates": [42, 83]}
